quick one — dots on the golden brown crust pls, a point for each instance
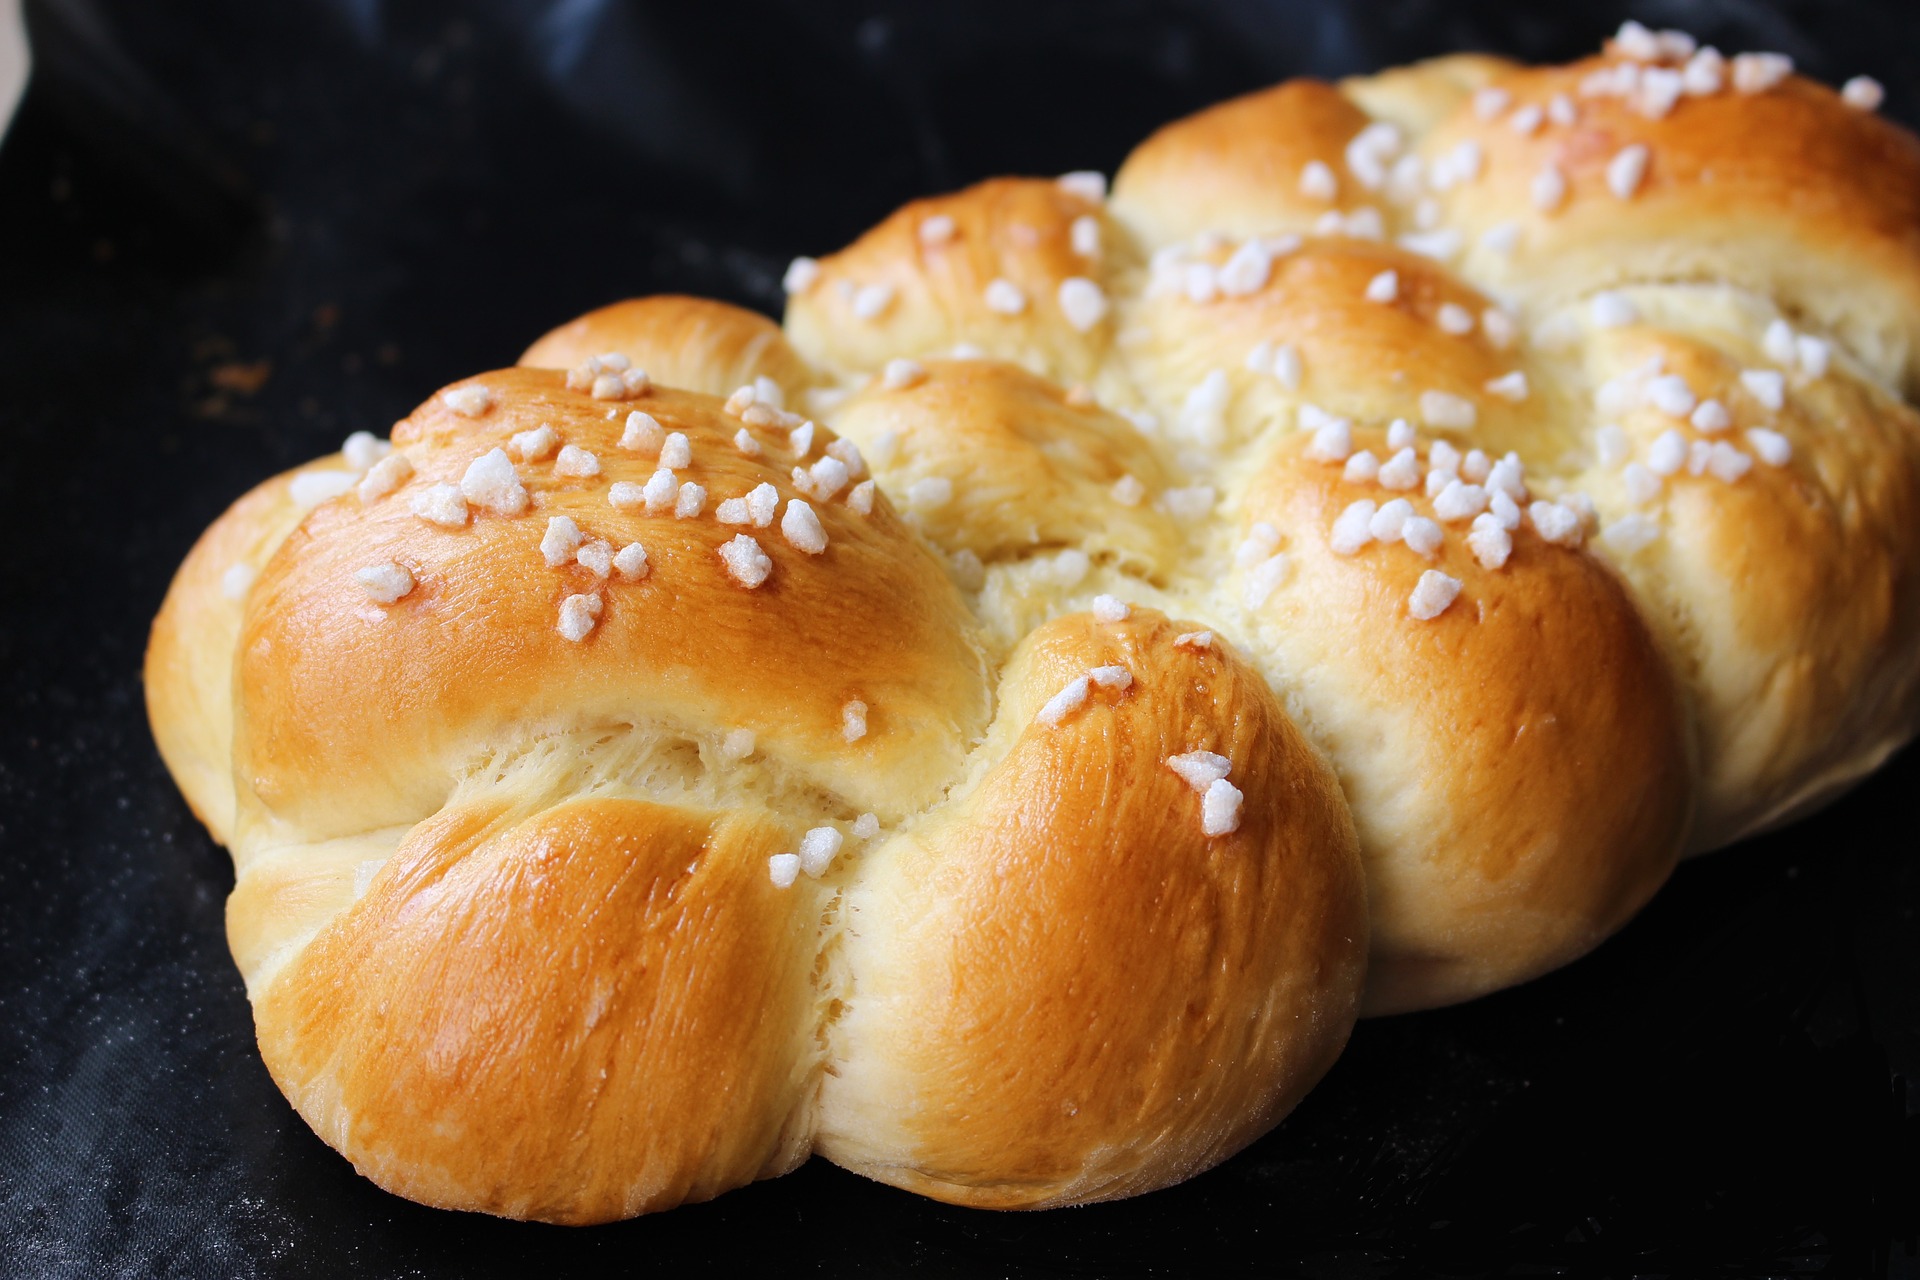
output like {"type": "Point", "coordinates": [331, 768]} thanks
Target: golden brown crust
{"type": "Point", "coordinates": [1788, 193]}
{"type": "Point", "coordinates": [1235, 168]}
{"type": "Point", "coordinates": [358, 715]}
{"type": "Point", "coordinates": [514, 842]}
{"type": "Point", "coordinates": [1789, 600]}
{"type": "Point", "coordinates": [1517, 766]}
{"type": "Point", "coordinates": [189, 662]}
{"type": "Point", "coordinates": [1013, 230]}
{"type": "Point", "coordinates": [576, 1015]}
{"type": "Point", "coordinates": [1368, 360]}
{"type": "Point", "coordinates": [498, 887]}
{"type": "Point", "coordinates": [1021, 956]}
{"type": "Point", "coordinates": [1420, 95]}
{"type": "Point", "coordinates": [694, 344]}
{"type": "Point", "coordinates": [1027, 468]}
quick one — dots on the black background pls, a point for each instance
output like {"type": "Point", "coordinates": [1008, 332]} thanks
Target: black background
{"type": "Point", "coordinates": [232, 232]}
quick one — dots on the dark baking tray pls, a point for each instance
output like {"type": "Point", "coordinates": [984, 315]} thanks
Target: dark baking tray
{"type": "Point", "coordinates": [232, 232]}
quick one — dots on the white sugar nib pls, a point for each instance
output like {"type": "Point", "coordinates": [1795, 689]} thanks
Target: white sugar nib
{"type": "Point", "coordinates": [1220, 808]}
{"type": "Point", "coordinates": [1200, 769]}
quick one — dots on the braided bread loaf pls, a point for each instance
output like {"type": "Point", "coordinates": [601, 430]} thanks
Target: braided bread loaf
{"type": "Point", "coordinates": [986, 732]}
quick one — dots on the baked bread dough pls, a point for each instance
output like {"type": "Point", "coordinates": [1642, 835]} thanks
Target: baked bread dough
{"type": "Point", "coordinates": [1000, 730]}
{"type": "Point", "coordinates": [506, 900]}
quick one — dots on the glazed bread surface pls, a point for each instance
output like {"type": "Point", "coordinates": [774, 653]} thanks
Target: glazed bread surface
{"type": "Point", "coordinates": [506, 908]}
{"type": "Point", "coordinates": [999, 729]}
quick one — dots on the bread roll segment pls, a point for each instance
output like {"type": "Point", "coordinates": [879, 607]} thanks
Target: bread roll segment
{"type": "Point", "coordinates": [576, 1015]}
{"type": "Point", "coordinates": [692, 343]}
{"type": "Point", "coordinates": [1790, 599]}
{"type": "Point", "coordinates": [983, 268]}
{"type": "Point", "coordinates": [474, 649]}
{"type": "Point", "coordinates": [189, 663]}
{"type": "Point", "coordinates": [1022, 466]}
{"type": "Point", "coordinates": [1061, 989]}
{"type": "Point", "coordinates": [1238, 169]}
{"type": "Point", "coordinates": [710, 743]}
{"type": "Point", "coordinates": [1357, 358]}
{"type": "Point", "coordinates": [1518, 766]}
{"type": "Point", "coordinates": [1787, 193]}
